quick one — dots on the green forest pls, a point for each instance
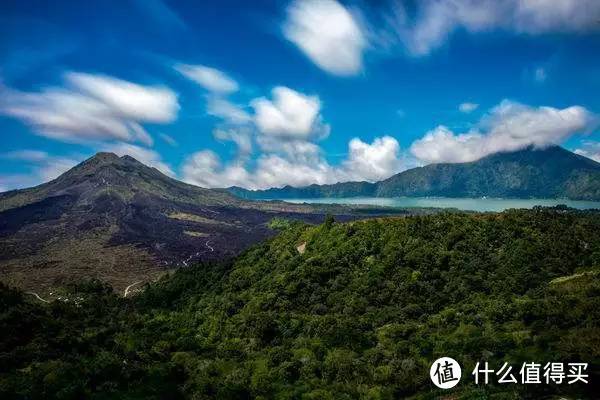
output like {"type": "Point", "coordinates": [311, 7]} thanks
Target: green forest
{"type": "Point", "coordinates": [355, 310]}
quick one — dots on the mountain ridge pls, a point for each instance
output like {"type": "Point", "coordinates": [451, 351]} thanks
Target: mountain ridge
{"type": "Point", "coordinates": [115, 219]}
{"type": "Point", "coordinates": [552, 172]}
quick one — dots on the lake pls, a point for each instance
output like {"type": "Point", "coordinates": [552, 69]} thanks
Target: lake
{"type": "Point", "coordinates": [467, 204]}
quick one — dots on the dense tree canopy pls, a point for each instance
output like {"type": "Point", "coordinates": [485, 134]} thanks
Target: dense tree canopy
{"type": "Point", "coordinates": [361, 312]}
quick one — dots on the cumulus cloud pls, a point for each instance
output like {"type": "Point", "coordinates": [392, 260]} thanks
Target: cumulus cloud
{"type": "Point", "coordinates": [285, 128]}
{"type": "Point", "coordinates": [328, 34]}
{"type": "Point", "coordinates": [589, 149]}
{"type": "Point", "coordinates": [373, 162]}
{"type": "Point", "coordinates": [209, 78]}
{"type": "Point", "coordinates": [289, 114]}
{"type": "Point", "coordinates": [298, 164]}
{"type": "Point", "coordinates": [467, 107]}
{"type": "Point", "coordinates": [142, 154]}
{"type": "Point", "coordinates": [437, 20]}
{"type": "Point", "coordinates": [507, 127]}
{"type": "Point", "coordinates": [92, 107]}
{"type": "Point", "coordinates": [204, 168]}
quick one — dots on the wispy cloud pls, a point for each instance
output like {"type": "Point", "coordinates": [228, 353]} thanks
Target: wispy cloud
{"type": "Point", "coordinates": [589, 149]}
{"type": "Point", "coordinates": [226, 110]}
{"type": "Point", "coordinates": [160, 12]}
{"type": "Point", "coordinates": [437, 20]}
{"type": "Point", "coordinates": [168, 139]}
{"type": "Point", "coordinates": [43, 167]}
{"type": "Point", "coordinates": [92, 107]}
{"type": "Point", "coordinates": [468, 107]}
{"type": "Point", "coordinates": [540, 75]}
{"type": "Point", "coordinates": [209, 78]}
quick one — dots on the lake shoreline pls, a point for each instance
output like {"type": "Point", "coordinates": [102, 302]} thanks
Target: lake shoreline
{"type": "Point", "coordinates": [483, 204]}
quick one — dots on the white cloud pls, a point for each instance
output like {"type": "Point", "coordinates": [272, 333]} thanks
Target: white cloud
{"type": "Point", "coordinates": [92, 107]}
{"type": "Point", "coordinates": [286, 128]}
{"type": "Point", "coordinates": [140, 134]}
{"type": "Point", "coordinates": [298, 151]}
{"type": "Point", "coordinates": [290, 115]}
{"type": "Point", "coordinates": [26, 155]}
{"type": "Point", "coordinates": [129, 100]}
{"type": "Point", "coordinates": [297, 163]}
{"type": "Point", "coordinates": [328, 34]}
{"type": "Point", "coordinates": [142, 154]}
{"type": "Point", "coordinates": [209, 78]}
{"type": "Point", "coordinates": [373, 162]}
{"type": "Point", "coordinates": [168, 139]}
{"type": "Point", "coordinates": [507, 127]}
{"type": "Point", "coordinates": [589, 149]}
{"type": "Point", "coordinates": [226, 110]}
{"type": "Point", "coordinates": [219, 85]}
{"type": "Point", "coordinates": [241, 137]}
{"type": "Point", "coordinates": [467, 107]}
{"type": "Point", "coordinates": [437, 20]}
{"type": "Point", "coordinates": [443, 145]}
{"type": "Point", "coordinates": [43, 166]}
{"type": "Point", "coordinates": [204, 168]}
{"type": "Point", "coordinates": [16, 181]}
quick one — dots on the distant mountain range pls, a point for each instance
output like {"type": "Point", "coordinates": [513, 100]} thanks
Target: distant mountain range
{"type": "Point", "coordinates": [118, 220]}
{"type": "Point", "coordinates": [552, 172]}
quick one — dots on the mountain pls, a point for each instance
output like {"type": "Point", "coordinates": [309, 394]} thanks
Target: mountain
{"type": "Point", "coordinates": [118, 220]}
{"type": "Point", "coordinates": [356, 310]}
{"type": "Point", "coordinates": [342, 189]}
{"type": "Point", "coordinates": [552, 172]}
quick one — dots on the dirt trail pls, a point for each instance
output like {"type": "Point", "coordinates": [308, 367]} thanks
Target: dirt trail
{"type": "Point", "coordinates": [126, 292]}
{"type": "Point", "coordinates": [37, 296]}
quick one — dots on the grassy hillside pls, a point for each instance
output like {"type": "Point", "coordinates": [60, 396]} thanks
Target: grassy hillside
{"type": "Point", "coordinates": [353, 310]}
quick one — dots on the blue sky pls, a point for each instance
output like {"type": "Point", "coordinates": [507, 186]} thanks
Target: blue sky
{"type": "Point", "coordinates": [268, 93]}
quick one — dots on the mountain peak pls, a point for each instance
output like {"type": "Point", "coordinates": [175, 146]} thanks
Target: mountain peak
{"type": "Point", "coordinates": [104, 156]}
{"type": "Point", "coordinates": [108, 159]}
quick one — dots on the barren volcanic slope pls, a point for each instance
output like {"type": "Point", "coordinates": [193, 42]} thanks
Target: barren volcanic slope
{"type": "Point", "coordinates": [115, 219]}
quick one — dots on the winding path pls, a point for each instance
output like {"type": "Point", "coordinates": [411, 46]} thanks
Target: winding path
{"type": "Point", "coordinates": [37, 296]}
{"type": "Point", "coordinates": [209, 246]}
{"type": "Point", "coordinates": [126, 292]}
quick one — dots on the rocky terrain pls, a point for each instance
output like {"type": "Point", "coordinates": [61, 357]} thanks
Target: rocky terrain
{"type": "Point", "coordinates": [115, 219]}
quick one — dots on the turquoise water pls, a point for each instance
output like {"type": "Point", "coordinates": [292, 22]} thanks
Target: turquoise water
{"type": "Point", "coordinates": [470, 204]}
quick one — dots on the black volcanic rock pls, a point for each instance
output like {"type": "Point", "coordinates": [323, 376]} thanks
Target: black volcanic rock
{"type": "Point", "coordinates": [118, 220]}
{"type": "Point", "coordinates": [552, 172]}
